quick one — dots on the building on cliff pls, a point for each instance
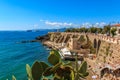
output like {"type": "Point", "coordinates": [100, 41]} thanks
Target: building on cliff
{"type": "Point", "coordinates": [117, 26]}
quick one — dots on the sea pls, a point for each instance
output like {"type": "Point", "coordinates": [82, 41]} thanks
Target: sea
{"type": "Point", "coordinates": [15, 55]}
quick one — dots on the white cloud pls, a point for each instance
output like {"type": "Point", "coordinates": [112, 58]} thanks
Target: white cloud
{"type": "Point", "coordinates": [101, 24]}
{"type": "Point", "coordinates": [65, 24]}
{"type": "Point", "coordinates": [41, 20]}
{"type": "Point", "coordinates": [59, 24]}
{"type": "Point", "coordinates": [53, 23]}
{"type": "Point", "coordinates": [87, 25]}
{"type": "Point", "coordinates": [98, 24]}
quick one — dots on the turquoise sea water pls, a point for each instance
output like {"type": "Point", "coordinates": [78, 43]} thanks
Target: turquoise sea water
{"type": "Point", "coordinates": [14, 56]}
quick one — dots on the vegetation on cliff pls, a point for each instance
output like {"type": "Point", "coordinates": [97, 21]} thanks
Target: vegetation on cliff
{"type": "Point", "coordinates": [105, 30]}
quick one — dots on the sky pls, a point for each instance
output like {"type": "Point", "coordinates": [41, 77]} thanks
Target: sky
{"type": "Point", "coordinates": [49, 14]}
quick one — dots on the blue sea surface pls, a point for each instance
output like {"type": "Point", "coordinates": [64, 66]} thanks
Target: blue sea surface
{"type": "Point", "coordinates": [14, 56]}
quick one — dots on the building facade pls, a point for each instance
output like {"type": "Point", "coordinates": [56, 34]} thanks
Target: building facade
{"type": "Point", "coordinates": [117, 26]}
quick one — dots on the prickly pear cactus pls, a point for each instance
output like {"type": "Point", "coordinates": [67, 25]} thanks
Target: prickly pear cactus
{"type": "Point", "coordinates": [29, 72]}
{"type": "Point", "coordinates": [72, 75]}
{"type": "Point", "coordinates": [44, 65]}
{"type": "Point", "coordinates": [59, 70]}
{"type": "Point", "coordinates": [53, 59]}
{"type": "Point", "coordinates": [56, 53]}
{"type": "Point", "coordinates": [13, 77]}
{"type": "Point", "coordinates": [83, 69]}
{"type": "Point", "coordinates": [48, 72]}
{"type": "Point", "coordinates": [64, 72]}
{"type": "Point", "coordinates": [37, 71]}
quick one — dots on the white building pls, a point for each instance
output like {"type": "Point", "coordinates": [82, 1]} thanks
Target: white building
{"type": "Point", "coordinates": [117, 26]}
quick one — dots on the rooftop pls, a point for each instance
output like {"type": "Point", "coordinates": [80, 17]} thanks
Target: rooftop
{"type": "Point", "coordinates": [116, 25]}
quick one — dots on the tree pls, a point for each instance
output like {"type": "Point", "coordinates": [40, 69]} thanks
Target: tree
{"type": "Point", "coordinates": [107, 29]}
{"type": "Point", "coordinates": [113, 31]}
{"type": "Point", "coordinates": [86, 30]}
{"type": "Point", "coordinates": [68, 30]}
{"type": "Point", "coordinates": [73, 30]}
{"type": "Point", "coordinates": [93, 29]}
{"type": "Point", "coordinates": [99, 30]}
{"type": "Point", "coordinates": [83, 29]}
{"type": "Point", "coordinates": [77, 29]}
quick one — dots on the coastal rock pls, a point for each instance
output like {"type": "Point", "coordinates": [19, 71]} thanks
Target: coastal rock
{"type": "Point", "coordinates": [43, 38]}
{"type": "Point", "coordinates": [27, 41]}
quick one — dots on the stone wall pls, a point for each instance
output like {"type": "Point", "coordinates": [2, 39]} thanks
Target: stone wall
{"type": "Point", "coordinates": [109, 52]}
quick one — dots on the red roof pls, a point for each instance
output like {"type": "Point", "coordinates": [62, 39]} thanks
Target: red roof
{"type": "Point", "coordinates": [116, 25]}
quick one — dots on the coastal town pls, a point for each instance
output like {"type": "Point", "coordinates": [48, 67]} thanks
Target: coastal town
{"type": "Point", "coordinates": [59, 39]}
{"type": "Point", "coordinates": [101, 51]}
